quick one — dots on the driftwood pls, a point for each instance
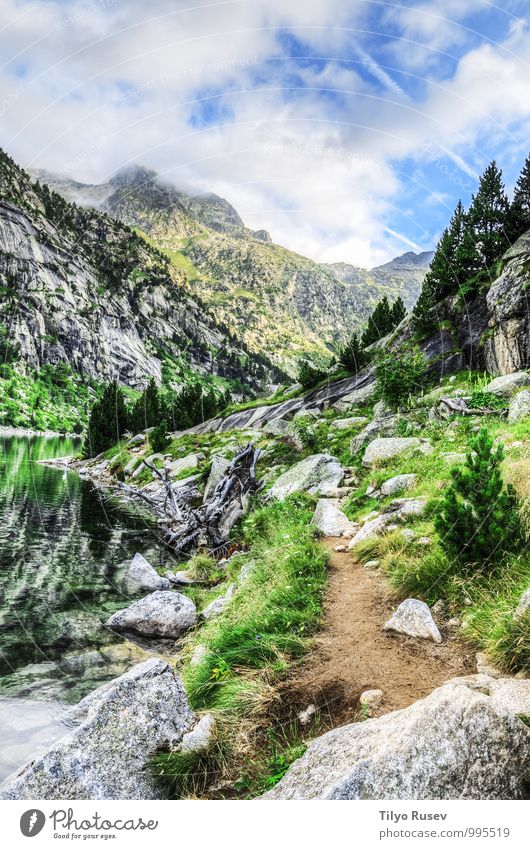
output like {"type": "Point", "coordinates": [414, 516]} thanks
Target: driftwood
{"type": "Point", "coordinates": [207, 526]}
{"type": "Point", "coordinates": [448, 406]}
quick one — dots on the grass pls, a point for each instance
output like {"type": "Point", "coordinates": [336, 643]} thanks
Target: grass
{"type": "Point", "coordinates": [267, 624]}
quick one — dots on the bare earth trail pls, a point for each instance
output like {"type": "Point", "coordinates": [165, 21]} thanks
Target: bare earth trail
{"type": "Point", "coordinates": [352, 653]}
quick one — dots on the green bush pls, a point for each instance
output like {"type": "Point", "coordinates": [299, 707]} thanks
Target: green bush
{"type": "Point", "coordinates": [159, 439]}
{"type": "Point", "coordinates": [479, 517]}
{"type": "Point", "coordinates": [398, 376]}
{"type": "Point", "coordinates": [309, 376]}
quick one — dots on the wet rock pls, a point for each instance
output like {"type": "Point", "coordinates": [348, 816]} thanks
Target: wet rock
{"type": "Point", "coordinates": [508, 384]}
{"type": "Point", "coordinates": [457, 743]}
{"type": "Point", "coordinates": [120, 727]}
{"type": "Point", "coordinates": [160, 614]}
{"type": "Point", "coordinates": [317, 474]}
{"type": "Point", "coordinates": [141, 575]}
{"type": "Point", "coordinates": [382, 449]}
{"type": "Point", "coordinates": [519, 406]}
{"type": "Point", "coordinates": [397, 484]}
{"type": "Point", "coordinates": [414, 618]}
{"type": "Point", "coordinates": [330, 520]}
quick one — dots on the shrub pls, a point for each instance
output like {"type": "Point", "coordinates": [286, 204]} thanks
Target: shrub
{"type": "Point", "coordinates": [400, 376]}
{"type": "Point", "coordinates": [479, 516]}
{"type": "Point", "coordinates": [159, 439]}
{"type": "Point", "coordinates": [309, 376]}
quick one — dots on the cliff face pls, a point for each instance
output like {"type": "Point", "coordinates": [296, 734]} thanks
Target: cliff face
{"type": "Point", "coordinates": [275, 300]}
{"type": "Point", "coordinates": [79, 287]}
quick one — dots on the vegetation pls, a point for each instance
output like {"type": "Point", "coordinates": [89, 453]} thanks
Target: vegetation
{"type": "Point", "coordinates": [353, 356]}
{"type": "Point", "coordinates": [108, 421]}
{"type": "Point", "coordinates": [479, 518]}
{"type": "Point", "coordinates": [400, 376]}
{"type": "Point", "coordinates": [383, 320]}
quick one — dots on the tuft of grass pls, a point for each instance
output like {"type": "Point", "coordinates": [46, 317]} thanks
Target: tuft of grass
{"type": "Point", "coordinates": [189, 774]}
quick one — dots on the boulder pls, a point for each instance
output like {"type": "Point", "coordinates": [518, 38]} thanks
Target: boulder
{"type": "Point", "coordinates": [141, 575]}
{"type": "Point", "coordinates": [508, 384]}
{"type": "Point", "coordinates": [151, 460]}
{"type": "Point", "coordinates": [359, 396]}
{"type": "Point", "coordinates": [380, 426]}
{"type": "Point", "coordinates": [523, 605]}
{"type": "Point", "coordinates": [457, 743]}
{"type": "Point", "coordinates": [398, 510]}
{"type": "Point", "coordinates": [134, 441]}
{"type": "Point", "coordinates": [386, 448]}
{"type": "Point", "coordinates": [191, 461]}
{"type": "Point", "coordinates": [219, 466]}
{"type": "Point", "coordinates": [277, 427]}
{"type": "Point", "coordinates": [346, 424]}
{"type": "Point", "coordinates": [397, 484]}
{"type": "Point", "coordinates": [414, 618]}
{"type": "Point", "coordinates": [330, 520]}
{"type": "Point", "coordinates": [201, 736]}
{"type": "Point", "coordinates": [519, 406]}
{"type": "Point", "coordinates": [317, 474]}
{"type": "Point", "coordinates": [160, 614]}
{"type": "Point", "coordinates": [119, 728]}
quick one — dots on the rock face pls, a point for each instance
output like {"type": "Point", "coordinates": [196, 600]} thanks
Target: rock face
{"type": "Point", "coordinates": [141, 576]}
{"type": "Point", "coordinates": [519, 406]}
{"type": "Point", "coordinates": [121, 725]}
{"type": "Point", "coordinates": [318, 474]}
{"type": "Point", "coordinates": [387, 448]}
{"type": "Point", "coordinates": [160, 614]}
{"type": "Point", "coordinates": [458, 743]}
{"type": "Point", "coordinates": [397, 484]}
{"type": "Point", "coordinates": [414, 618]}
{"type": "Point", "coordinates": [508, 384]}
{"type": "Point", "coordinates": [330, 520]}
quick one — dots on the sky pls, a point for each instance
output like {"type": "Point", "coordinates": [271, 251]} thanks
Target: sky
{"type": "Point", "coordinates": [347, 128]}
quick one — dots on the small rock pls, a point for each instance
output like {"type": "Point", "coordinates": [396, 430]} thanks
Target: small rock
{"type": "Point", "coordinates": [414, 618]}
{"type": "Point", "coordinates": [524, 604]}
{"type": "Point", "coordinates": [340, 548]}
{"type": "Point", "coordinates": [519, 406]}
{"type": "Point", "coordinates": [200, 738]}
{"type": "Point", "coordinates": [139, 439]}
{"type": "Point", "coordinates": [397, 484]}
{"type": "Point", "coordinates": [438, 609]}
{"type": "Point", "coordinates": [372, 564]}
{"type": "Point", "coordinates": [452, 458]}
{"type": "Point", "coordinates": [216, 607]}
{"type": "Point", "coordinates": [199, 653]}
{"type": "Point", "coordinates": [408, 534]}
{"type": "Point", "coordinates": [346, 424]}
{"type": "Point", "coordinates": [141, 575]}
{"type": "Point", "coordinates": [424, 540]}
{"type": "Point", "coordinates": [371, 699]}
{"type": "Point", "coordinates": [305, 715]}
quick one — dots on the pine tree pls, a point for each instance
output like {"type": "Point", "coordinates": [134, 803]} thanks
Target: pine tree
{"type": "Point", "coordinates": [148, 410]}
{"type": "Point", "coordinates": [489, 216]}
{"type": "Point", "coordinates": [353, 356]}
{"type": "Point", "coordinates": [520, 208]}
{"type": "Point", "coordinates": [479, 519]}
{"type": "Point", "coordinates": [107, 421]}
{"type": "Point", "coordinates": [379, 323]}
{"type": "Point", "coordinates": [309, 376]}
{"type": "Point", "coordinates": [424, 318]}
{"type": "Point", "coordinates": [398, 312]}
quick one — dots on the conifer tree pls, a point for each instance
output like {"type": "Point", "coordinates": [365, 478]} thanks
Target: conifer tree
{"type": "Point", "coordinates": [397, 312]}
{"type": "Point", "coordinates": [424, 317]}
{"type": "Point", "coordinates": [107, 421]}
{"type": "Point", "coordinates": [379, 323]}
{"type": "Point", "coordinates": [489, 216]}
{"type": "Point", "coordinates": [353, 356]}
{"type": "Point", "coordinates": [479, 519]}
{"type": "Point", "coordinates": [520, 209]}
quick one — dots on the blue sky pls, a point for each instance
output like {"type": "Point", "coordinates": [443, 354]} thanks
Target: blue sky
{"type": "Point", "coordinates": [348, 128]}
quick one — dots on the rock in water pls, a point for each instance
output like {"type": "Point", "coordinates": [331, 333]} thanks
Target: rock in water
{"type": "Point", "coordinates": [385, 448]}
{"type": "Point", "coordinates": [457, 743]}
{"type": "Point", "coordinates": [142, 576]}
{"type": "Point", "coordinates": [160, 614]}
{"type": "Point", "coordinates": [318, 474]}
{"type": "Point", "coordinates": [122, 724]}
{"type": "Point", "coordinates": [330, 520]}
{"type": "Point", "coordinates": [519, 406]}
{"type": "Point", "coordinates": [508, 384]}
{"type": "Point", "coordinates": [414, 618]}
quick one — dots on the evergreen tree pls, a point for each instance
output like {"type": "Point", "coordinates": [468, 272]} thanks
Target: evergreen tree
{"type": "Point", "coordinates": [379, 323]}
{"type": "Point", "coordinates": [309, 376]}
{"type": "Point", "coordinates": [520, 208]}
{"type": "Point", "coordinates": [353, 356]}
{"type": "Point", "coordinates": [424, 318]}
{"type": "Point", "coordinates": [455, 257]}
{"type": "Point", "coordinates": [107, 421]}
{"type": "Point", "coordinates": [479, 519]}
{"type": "Point", "coordinates": [147, 410]}
{"type": "Point", "coordinates": [398, 312]}
{"type": "Point", "coordinates": [489, 216]}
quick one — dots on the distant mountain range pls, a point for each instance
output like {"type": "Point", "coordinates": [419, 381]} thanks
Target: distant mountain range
{"type": "Point", "coordinates": [277, 302]}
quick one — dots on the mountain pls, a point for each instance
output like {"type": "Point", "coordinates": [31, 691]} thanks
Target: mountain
{"type": "Point", "coordinates": [275, 300]}
{"type": "Point", "coordinates": [82, 288]}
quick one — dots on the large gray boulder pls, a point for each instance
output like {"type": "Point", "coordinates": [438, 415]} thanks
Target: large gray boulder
{"type": "Point", "coordinates": [141, 575]}
{"type": "Point", "coordinates": [119, 727]}
{"type": "Point", "coordinates": [414, 618]}
{"type": "Point", "coordinates": [330, 520]}
{"type": "Point", "coordinates": [387, 448]}
{"type": "Point", "coordinates": [457, 743]}
{"type": "Point", "coordinates": [397, 484]}
{"type": "Point", "coordinates": [219, 466]}
{"type": "Point", "coordinates": [160, 614]}
{"type": "Point", "coordinates": [519, 406]}
{"type": "Point", "coordinates": [508, 384]}
{"type": "Point", "coordinates": [319, 474]}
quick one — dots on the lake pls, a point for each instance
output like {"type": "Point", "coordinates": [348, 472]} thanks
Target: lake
{"type": "Point", "coordinates": [63, 547]}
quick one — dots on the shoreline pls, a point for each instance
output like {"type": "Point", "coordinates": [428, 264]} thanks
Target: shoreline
{"type": "Point", "coordinates": [6, 430]}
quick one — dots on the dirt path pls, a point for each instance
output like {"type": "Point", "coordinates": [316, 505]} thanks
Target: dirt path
{"type": "Point", "coordinates": [352, 653]}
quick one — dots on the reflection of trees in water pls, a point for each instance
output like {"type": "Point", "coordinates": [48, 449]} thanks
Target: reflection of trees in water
{"type": "Point", "coordinates": [60, 545]}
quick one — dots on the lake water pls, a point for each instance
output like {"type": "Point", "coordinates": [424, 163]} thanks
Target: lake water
{"type": "Point", "coordinates": [63, 547]}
